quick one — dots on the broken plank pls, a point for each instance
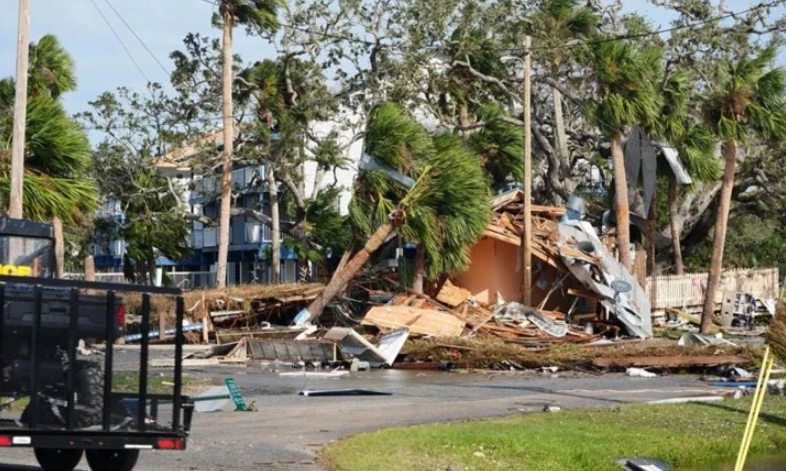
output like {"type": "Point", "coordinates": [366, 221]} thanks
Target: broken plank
{"type": "Point", "coordinates": [452, 295]}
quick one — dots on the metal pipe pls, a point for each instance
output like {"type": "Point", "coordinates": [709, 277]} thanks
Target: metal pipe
{"type": "Point", "coordinates": [108, 355]}
{"type": "Point", "coordinates": [73, 326]}
{"type": "Point", "coordinates": [176, 409]}
{"type": "Point", "coordinates": [143, 360]}
{"type": "Point", "coordinates": [34, 356]}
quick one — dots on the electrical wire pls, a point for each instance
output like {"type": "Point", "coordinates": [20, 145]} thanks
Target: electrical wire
{"type": "Point", "coordinates": [660, 31]}
{"type": "Point", "coordinates": [570, 44]}
{"type": "Point", "coordinates": [120, 40]}
{"type": "Point", "coordinates": [144, 45]}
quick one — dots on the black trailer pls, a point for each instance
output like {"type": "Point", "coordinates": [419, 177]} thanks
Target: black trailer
{"type": "Point", "coordinates": [64, 401]}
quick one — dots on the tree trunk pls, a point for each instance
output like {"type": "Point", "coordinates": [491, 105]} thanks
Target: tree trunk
{"type": "Point", "coordinates": [90, 268]}
{"type": "Point", "coordinates": [463, 117]}
{"type": "Point", "coordinates": [621, 204]}
{"type": "Point", "coordinates": [561, 141]}
{"type": "Point", "coordinates": [342, 276]}
{"type": "Point", "coordinates": [226, 172]}
{"type": "Point", "coordinates": [719, 237]}
{"type": "Point", "coordinates": [652, 229]}
{"type": "Point", "coordinates": [275, 229]}
{"type": "Point", "coordinates": [420, 270]}
{"type": "Point", "coordinates": [675, 233]}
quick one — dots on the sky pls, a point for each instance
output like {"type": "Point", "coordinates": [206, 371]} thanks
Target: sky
{"type": "Point", "coordinates": [101, 63]}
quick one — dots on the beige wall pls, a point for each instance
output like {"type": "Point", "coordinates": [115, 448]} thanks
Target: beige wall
{"type": "Point", "coordinates": [495, 268]}
{"type": "Point", "coordinates": [492, 270]}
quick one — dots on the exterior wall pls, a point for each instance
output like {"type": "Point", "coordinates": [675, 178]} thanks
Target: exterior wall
{"type": "Point", "coordinates": [495, 271]}
{"type": "Point", "coordinates": [481, 276]}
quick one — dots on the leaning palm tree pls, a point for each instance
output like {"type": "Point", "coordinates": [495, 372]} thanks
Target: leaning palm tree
{"type": "Point", "coordinates": [444, 208]}
{"type": "Point", "coordinates": [626, 78]}
{"type": "Point", "coordinates": [555, 23]}
{"type": "Point", "coordinates": [260, 15]}
{"type": "Point", "coordinates": [749, 101]}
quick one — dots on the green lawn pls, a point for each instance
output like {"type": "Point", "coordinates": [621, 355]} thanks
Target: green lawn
{"type": "Point", "coordinates": [687, 436]}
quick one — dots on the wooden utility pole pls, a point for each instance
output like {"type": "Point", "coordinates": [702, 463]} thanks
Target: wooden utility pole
{"type": "Point", "coordinates": [20, 112]}
{"type": "Point", "coordinates": [57, 225]}
{"type": "Point", "coordinates": [526, 236]}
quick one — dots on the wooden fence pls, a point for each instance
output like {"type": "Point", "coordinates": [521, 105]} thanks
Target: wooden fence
{"type": "Point", "coordinates": [686, 292]}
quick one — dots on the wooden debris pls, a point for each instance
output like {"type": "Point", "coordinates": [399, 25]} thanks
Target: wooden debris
{"type": "Point", "coordinates": [418, 321]}
{"type": "Point", "coordinates": [452, 295]}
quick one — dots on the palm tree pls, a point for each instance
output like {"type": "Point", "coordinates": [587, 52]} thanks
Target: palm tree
{"type": "Point", "coordinates": [57, 152]}
{"type": "Point", "coordinates": [678, 127]}
{"type": "Point", "coordinates": [556, 23]}
{"type": "Point", "coordinates": [444, 211]}
{"type": "Point", "coordinates": [626, 79]}
{"type": "Point", "coordinates": [499, 144]}
{"type": "Point", "coordinates": [749, 101]}
{"type": "Point", "coordinates": [51, 68]}
{"type": "Point", "coordinates": [260, 15]}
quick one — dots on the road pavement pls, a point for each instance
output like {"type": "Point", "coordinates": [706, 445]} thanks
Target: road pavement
{"type": "Point", "coordinates": [287, 430]}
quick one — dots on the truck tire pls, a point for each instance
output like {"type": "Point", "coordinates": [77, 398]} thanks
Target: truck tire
{"type": "Point", "coordinates": [58, 459]}
{"type": "Point", "coordinates": [112, 460]}
{"type": "Point", "coordinates": [89, 379]}
{"type": "Point", "coordinates": [90, 396]}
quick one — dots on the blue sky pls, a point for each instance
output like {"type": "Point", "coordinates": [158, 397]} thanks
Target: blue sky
{"type": "Point", "coordinates": [100, 60]}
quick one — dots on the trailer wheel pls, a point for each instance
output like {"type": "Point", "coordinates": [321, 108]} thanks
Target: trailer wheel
{"type": "Point", "coordinates": [112, 460]}
{"type": "Point", "coordinates": [58, 459]}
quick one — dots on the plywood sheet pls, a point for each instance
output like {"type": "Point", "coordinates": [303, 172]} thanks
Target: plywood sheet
{"type": "Point", "coordinates": [418, 321]}
{"type": "Point", "coordinates": [452, 295]}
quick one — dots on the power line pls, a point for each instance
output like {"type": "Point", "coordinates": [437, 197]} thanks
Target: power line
{"type": "Point", "coordinates": [120, 40]}
{"type": "Point", "coordinates": [660, 31]}
{"type": "Point", "coordinates": [144, 45]}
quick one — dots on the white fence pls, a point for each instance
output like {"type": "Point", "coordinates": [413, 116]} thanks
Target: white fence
{"type": "Point", "coordinates": [687, 291]}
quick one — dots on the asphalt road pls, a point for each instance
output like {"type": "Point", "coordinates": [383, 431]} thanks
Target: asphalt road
{"type": "Point", "coordinates": [287, 430]}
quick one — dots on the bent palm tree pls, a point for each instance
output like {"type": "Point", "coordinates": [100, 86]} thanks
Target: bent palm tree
{"type": "Point", "coordinates": [749, 101]}
{"type": "Point", "coordinates": [625, 77]}
{"type": "Point", "coordinates": [444, 211]}
{"type": "Point", "coordinates": [257, 15]}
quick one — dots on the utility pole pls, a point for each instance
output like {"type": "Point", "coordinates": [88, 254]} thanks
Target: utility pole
{"type": "Point", "coordinates": [526, 236]}
{"type": "Point", "coordinates": [20, 112]}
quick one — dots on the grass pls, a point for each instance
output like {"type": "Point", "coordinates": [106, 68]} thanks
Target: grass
{"type": "Point", "coordinates": [688, 436]}
{"type": "Point", "coordinates": [129, 383]}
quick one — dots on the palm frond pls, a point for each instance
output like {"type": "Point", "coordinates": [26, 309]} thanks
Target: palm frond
{"type": "Point", "coordinates": [44, 197]}
{"type": "Point", "coordinates": [256, 15]}
{"type": "Point", "coordinates": [396, 140]}
{"type": "Point", "coordinates": [51, 68]}
{"type": "Point", "coordinates": [500, 145]}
